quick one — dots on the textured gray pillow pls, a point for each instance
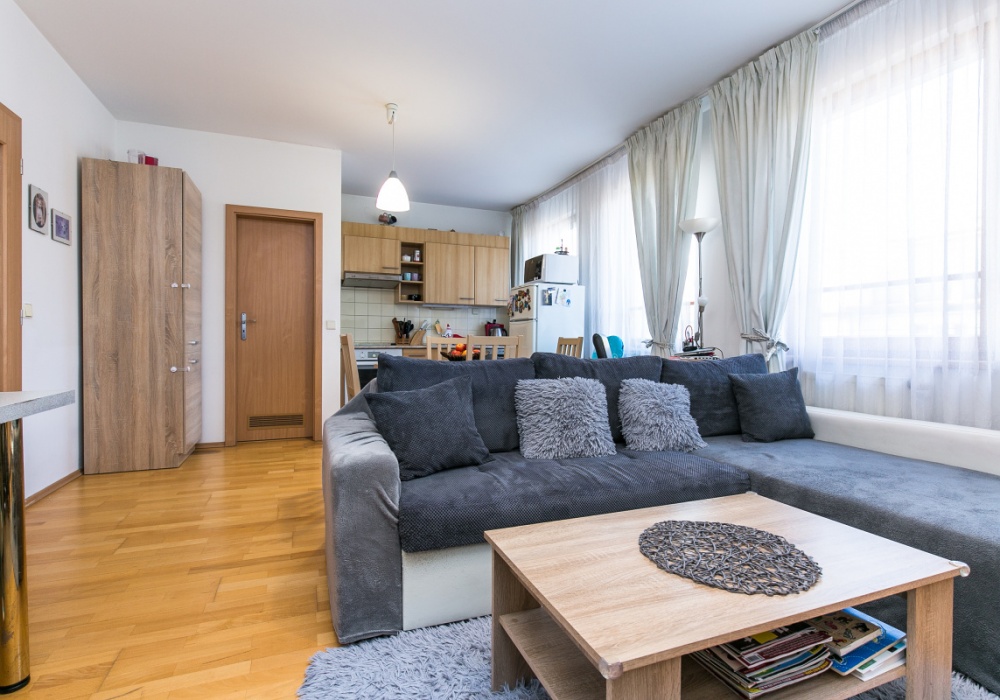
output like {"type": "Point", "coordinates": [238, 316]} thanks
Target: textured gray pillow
{"type": "Point", "coordinates": [771, 406]}
{"type": "Point", "coordinates": [430, 429]}
{"type": "Point", "coordinates": [712, 402]}
{"type": "Point", "coordinates": [560, 418]}
{"type": "Point", "coordinates": [657, 417]}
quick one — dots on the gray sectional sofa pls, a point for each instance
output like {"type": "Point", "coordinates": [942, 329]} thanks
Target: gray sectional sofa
{"type": "Point", "coordinates": [410, 553]}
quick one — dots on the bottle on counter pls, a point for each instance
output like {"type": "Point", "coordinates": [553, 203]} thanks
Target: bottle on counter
{"type": "Point", "coordinates": [447, 331]}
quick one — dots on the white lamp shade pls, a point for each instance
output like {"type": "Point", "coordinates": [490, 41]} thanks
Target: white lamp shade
{"type": "Point", "coordinates": [392, 196]}
{"type": "Point", "coordinates": [701, 225]}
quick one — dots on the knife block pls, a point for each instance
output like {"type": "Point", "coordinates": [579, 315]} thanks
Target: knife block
{"type": "Point", "coordinates": [416, 338]}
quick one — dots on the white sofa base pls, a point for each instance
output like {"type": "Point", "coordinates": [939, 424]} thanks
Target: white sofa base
{"type": "Point", "coordinates": [446, 585]}
{"type": "Point", "coordinates": [455, 584]}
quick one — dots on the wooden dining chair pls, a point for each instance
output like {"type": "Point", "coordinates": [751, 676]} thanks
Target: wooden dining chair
{"type": "Point", "coordinates": [348, 369]}
{"type": "Point", "coordinates": [490, 345]}
{"type": "Point", "coordinates": [570, 346]}
{"type": "Point", "coordinates": [436, 346]}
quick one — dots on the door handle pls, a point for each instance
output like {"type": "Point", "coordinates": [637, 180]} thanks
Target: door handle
{"type": "Point", "coordinates": [175, 370]}
{"type": "Point", "coordinates": [243, 325]}
{"type": "Point", "coordinates": [192, 342]}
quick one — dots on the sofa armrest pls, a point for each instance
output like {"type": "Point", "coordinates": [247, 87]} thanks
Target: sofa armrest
{"type": "Point", "coordinates": [955, 445]}
{"type": "Point", "coordinates": [361, 509]}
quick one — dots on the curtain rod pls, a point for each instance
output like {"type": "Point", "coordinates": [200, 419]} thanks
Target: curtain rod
{"type": "Point", "coordinates": [575, 177]}
{"type": "Point", "coordinates": [579, 174]}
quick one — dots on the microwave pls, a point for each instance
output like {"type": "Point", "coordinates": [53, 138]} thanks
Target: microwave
{"type": "Point", "coordinates": [551, 267]}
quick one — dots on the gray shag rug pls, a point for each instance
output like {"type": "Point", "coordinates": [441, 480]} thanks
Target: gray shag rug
{"type": "Point", "coordinates": [452, 662]}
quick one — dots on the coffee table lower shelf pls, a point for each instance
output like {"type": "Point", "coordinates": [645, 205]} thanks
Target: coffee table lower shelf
{"type": "Point", "coordinates": [566, 673]}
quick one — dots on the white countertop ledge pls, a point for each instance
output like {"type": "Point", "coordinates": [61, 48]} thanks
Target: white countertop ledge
{"type": "Point", "coordinates": [18, 404]}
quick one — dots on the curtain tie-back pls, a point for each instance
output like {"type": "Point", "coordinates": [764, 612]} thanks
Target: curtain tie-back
{"type": "Point", "coordinates": [771, 345]}
{"type": "Point", "coordinates": [650, 343]}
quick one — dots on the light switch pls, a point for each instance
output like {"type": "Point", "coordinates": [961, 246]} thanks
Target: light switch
{"type": "Point", "coordinates": [29, 311]}
{"type": "Point", "coordinates": [331, 325]}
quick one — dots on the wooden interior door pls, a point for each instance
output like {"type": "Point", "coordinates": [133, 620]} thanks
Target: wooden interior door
{"type": "Point", "coordinates": [274, 347]}
{"type": "Point", "coordinates": [10, 250]}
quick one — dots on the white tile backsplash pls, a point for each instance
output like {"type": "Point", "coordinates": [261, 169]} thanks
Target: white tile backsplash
{"type": "Point", "coordinates": [367, 315]}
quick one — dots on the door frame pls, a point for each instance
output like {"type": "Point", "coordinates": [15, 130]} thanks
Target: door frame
{"type": "Point", "coordinates": [234, 212]}
{"type": "Point", "coordinates": [10, 251]}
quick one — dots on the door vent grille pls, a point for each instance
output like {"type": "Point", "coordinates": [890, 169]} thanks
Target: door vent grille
{"type": "Point", "coordinates": [288, 421]}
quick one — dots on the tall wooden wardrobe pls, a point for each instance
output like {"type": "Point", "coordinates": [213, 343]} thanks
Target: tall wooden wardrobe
{"type": "Point", "coordinates": [141, 298]}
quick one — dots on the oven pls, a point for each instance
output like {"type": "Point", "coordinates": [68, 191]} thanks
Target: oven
{"type": "Point", "coordinates": [367, 360]}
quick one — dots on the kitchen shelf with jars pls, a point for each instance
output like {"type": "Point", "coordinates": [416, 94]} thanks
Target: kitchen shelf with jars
{"type": "Point", "coordinates": [411, 288]}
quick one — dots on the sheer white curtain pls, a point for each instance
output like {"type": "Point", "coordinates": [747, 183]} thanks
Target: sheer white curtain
{"type": "Point", "coordinates": [663, 164]}
{"type": "Point", "coordinates": [761, 117]}
{"type": "Point", "coordinates": [897, 305]}
{"type": "Point", "coordinates": [592, 216]}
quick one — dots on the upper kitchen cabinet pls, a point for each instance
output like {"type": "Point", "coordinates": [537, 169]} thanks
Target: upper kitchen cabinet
{"type": "Point", "coordinates": [450, 276]}
{"type": "Point", "coordinates": [492, 276]}
{"type": "Point", "coordinates": [457, 269]}
{"type": "Point", "coordinates": [367, 254]}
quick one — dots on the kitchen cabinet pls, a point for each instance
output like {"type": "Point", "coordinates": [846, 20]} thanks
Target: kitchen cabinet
{"type": "Point", "coordinates": [492, 276]}
{"type": "Point", "coordinates": [457, 269]}
{"type": "Point", "coordinates": [366, 254]}
{"type": "Point", "coordinates": [450, 276]}
{"type": "Point", "coordinates": [140, 242]}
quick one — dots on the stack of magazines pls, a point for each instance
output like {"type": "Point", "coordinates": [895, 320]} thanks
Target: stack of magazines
{"type": "Point", "coordinates": [862, 645]}
{"type": "Point", "coordinates": [765, 662]}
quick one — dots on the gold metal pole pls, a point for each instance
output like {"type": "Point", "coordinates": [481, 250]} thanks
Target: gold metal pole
{"type": "Point", "coordinates": [14, 663]}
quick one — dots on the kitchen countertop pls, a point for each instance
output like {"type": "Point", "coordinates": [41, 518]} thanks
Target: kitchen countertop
{"type": "Point", "coordinates": [19, 404]}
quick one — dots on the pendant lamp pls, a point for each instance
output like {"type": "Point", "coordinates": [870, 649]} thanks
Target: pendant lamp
{"type": "Point", "coordinates": [392, 196]}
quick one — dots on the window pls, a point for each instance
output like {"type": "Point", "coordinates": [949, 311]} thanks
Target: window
{"type": "Point", "coordinates": [894, 309]}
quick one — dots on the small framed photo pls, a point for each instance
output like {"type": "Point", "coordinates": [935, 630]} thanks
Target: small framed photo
{"type": "Point", "coordinates": [38, 209]}
{"type": "Point", "coordinates": [62, 227]}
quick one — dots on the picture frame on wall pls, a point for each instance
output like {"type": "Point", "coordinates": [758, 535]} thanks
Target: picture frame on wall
{"type": "Point", "coordinates": [38, 209]}
{"type": "Point", "coordinates": [62, 227]}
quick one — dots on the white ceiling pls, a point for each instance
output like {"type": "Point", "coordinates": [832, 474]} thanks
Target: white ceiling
{"type": "Point", "coordinates": [498, 100]}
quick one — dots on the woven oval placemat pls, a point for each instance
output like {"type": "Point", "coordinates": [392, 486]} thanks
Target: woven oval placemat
{"type": "Point", "coordinates": [731, 557]}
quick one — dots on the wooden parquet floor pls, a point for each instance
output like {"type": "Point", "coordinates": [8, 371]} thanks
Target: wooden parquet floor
{"type": "Point", "coordinates": [206, 581]}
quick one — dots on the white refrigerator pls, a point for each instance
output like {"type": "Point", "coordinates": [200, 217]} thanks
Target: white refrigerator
{"type": "Point", "coordinates": [541, 312]}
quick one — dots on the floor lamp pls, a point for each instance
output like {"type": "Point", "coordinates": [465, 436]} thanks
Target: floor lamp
{"type": "Point", "coordinates": [699, 227]}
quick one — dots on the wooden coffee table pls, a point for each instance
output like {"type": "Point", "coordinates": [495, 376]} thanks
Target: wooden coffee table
{"type": "Point", "coordinates": [576, 604]}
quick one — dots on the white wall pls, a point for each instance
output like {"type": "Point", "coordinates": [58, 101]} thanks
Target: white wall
{"type": "Point", "coordinates": [362, 210]}
{"type": "Point", "coordinates": [258, 173]}
{"type": "Point", "coordinates": [62, 121]}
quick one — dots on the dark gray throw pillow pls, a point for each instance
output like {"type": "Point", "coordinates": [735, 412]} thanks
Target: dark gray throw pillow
{"type": "Point", "coordinates": [771, 406]}
{"type": "Point", "coordinates": [562, 418]}
{"type": "Point", "coordinates": [713, 405]}
{"type": "Point", "coordinates": [657, 417]}
{"type": "Point", "coordinates": [492, 389]}
{"type": "Point", "coordinates": [610, 372]}
{"type": "Point", "coordinates": [430, 429]}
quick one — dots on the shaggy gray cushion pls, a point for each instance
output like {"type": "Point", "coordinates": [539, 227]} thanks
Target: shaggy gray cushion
{"type": "Point", "coordinates": [657, 417]}
{"type": "Point", "coordinates": [559, 418]}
